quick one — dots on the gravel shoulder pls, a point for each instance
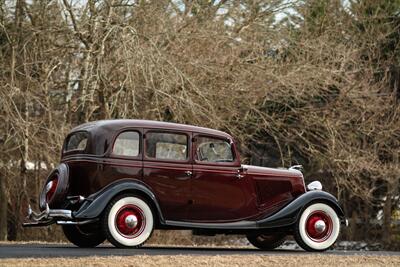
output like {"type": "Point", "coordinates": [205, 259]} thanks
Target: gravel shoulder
{"type": "Point", "coordinates": [228, 260]}
{"type": "Point", "coordinates": [61, 254]}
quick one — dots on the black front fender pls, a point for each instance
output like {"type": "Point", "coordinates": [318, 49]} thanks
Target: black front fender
{"type": "Point", "coordinates": [289, 214]}
{"type": "Point", "coordinates": [97, 202]}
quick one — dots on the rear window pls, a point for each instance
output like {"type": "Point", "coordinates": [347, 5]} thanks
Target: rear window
{"type": "Point", "coordinates": [76, 141]}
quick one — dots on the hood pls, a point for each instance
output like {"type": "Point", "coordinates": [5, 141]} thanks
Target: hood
{"type": "Point", "coordinates": [272, 171]}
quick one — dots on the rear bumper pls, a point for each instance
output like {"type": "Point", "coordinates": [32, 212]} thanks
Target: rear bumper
{"type": "Point", "coordinates": [46, 217]}
{"type": "Point", "coordinates": [51, 216]}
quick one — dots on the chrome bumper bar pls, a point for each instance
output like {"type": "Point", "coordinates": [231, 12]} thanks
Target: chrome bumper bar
{"type": "Point", "coordinates": [49, 213]}
{"type": "Point", "coordinates": [46, 217]}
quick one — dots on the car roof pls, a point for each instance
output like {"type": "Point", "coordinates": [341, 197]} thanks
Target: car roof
{"type": "Point", "coordinates": [115, 125]}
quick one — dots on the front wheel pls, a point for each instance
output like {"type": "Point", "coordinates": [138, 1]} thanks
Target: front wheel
{"type": "Point", "coordinates": [317, 228]}
{"type": "Point", "coordinates": [128, 221]}
{"type": "Point", "coordinates": [266, 241]}
{"type": "Point", "coordinates": [84, 236]}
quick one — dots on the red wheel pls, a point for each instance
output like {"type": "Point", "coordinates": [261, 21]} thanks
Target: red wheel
{"type": "Point", "coordinates": [128, 221]}
{"type": "Point", "coordinates": [317, 228]}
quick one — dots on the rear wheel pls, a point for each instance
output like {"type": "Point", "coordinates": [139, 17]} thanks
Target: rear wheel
{"type": "Point", "coordinates": [266, 241]}
{"type": "Point", "coordinates": [85, 236]}
{"type": "Point", "coordinates": [317, 228]}
{"type": "Point", "coordinates": [128, 221]}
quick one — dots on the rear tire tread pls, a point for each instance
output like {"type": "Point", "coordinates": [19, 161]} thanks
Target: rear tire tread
{"type": "Point", "coordinates": [80, 239]}
{"type": "Point", "coordinates": [264, 245]}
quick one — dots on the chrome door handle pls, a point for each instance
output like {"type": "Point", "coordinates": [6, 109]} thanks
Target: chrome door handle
{"type": "Point", "coordinates": [239, 176]}
{"type": "Point", "coordinates": [188, 173]}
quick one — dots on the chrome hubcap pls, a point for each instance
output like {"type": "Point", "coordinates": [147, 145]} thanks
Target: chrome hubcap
{"type": "Point", "coordinates": [131, 221]}
{"type": "Point", "coordinates": [320, 226]}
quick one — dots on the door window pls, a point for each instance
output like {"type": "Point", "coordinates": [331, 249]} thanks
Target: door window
{"type": "Point", "coordinates": [167, 146]}
{"type": "Point", "coordinates": [127, 144]}
{"type": "Point", "coordinates": [213, 150]}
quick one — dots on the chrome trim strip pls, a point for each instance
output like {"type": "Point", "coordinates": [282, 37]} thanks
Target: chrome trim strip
{"type": "Point", "coordinates": [76, 222]}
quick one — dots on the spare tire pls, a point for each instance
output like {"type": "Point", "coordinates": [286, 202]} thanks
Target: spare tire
{"type": "Point", "coordinates": [55, 188]}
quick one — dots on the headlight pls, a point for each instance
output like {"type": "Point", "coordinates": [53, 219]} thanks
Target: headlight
{"type": "Point", "coordinates": [316, 185]}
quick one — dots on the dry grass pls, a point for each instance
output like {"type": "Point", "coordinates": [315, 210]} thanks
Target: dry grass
{"type": "Point", "coordinates": [159, 238]}
{"type": "Point", "coordinates": [235, 260]}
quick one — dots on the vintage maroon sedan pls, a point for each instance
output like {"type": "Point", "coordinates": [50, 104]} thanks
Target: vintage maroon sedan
{"type": "Point", "coordinates": [120, 179]}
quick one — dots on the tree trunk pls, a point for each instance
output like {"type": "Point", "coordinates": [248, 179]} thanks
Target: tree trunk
{"type": "Point", "coordinates": [3, 208]}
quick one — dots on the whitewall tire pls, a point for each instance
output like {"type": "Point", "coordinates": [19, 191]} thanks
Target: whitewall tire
{"type": "Point", "coordinates": [128, 221]}
{"type": "Point", "coordinates": [317, 228]}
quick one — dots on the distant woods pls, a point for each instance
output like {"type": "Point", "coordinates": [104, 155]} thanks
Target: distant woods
{"type": "Point", "coordinates": [313, 82]}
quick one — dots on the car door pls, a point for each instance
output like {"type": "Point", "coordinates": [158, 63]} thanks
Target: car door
{"type": "Point", "coordinates": [124, 161]}
{"type": "Point", "coordinates": [220, 191]}
{"type": "Point", "coordinates": [167, 169]}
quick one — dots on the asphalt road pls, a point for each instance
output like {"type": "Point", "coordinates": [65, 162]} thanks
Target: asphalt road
{"type": "Point", "coordinates": [61, 250]}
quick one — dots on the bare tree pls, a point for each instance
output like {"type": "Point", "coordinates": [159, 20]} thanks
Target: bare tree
{"type": "Point", "coordinates": [309, 82]}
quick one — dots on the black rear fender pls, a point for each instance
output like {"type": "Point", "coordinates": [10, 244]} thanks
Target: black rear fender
{"type": "Point", "coordinates": [96, 203]}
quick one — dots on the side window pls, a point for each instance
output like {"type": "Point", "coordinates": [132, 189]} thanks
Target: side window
{"type": "Point", "coordinates": [76, 141]}
{"type": "Point", "coordinates": [127, 144]}
{"type": "Point", "coordinates": [213, 150]}
{"type": "Point", "coordinates": [172, 146]}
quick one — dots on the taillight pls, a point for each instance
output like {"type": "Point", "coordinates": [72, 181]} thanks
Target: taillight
{"type": "Point", "coordinates": [51, 189]}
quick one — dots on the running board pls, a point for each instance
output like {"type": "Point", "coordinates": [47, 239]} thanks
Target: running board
{"type": "Point", "coordinates": [241, 225]}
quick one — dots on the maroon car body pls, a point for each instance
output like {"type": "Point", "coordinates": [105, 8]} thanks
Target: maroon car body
{"type": "Point", "coordinates": [190, 177]}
